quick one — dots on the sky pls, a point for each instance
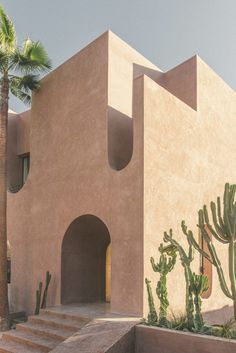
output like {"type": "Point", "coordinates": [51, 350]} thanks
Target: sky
{"type": "Point", "coordinates": [167, 32]}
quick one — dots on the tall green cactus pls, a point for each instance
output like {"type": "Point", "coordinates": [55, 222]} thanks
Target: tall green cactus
{"type": "Point", "coordinates": [39, 294]}
{"type": "Point", "coordinates": [44, 300]}
{"type": "Point", "coordinates": [38, 298]}
{"type": "Point", "coordinates": [224, 231]}
{"type": "Point", "coordinates": [164, 266]}
{"type": "Point", "coordinates": [186, 260]}
{"type": "Point", "coordinates": [152, 316]}
{"type": "Point", "coordinates": [199, 285]}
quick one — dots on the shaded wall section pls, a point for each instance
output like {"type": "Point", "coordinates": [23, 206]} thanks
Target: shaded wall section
{"type": "Point", "coordinates": [120, 139]}
{"type": "Point", "coordinates": [18, 145]}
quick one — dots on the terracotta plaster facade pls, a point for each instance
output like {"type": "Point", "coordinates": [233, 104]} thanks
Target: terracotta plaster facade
{"type": "Point", "coordinates": [113, 138]}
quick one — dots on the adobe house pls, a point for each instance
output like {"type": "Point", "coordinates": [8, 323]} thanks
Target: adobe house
{"type": "Point", "coordinates": [112, 153]}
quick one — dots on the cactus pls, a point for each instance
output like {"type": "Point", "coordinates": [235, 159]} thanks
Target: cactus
{"type": "Point", "coordinates": [164, 266]}
{"type": "Point", "coordinates": [224, 231]}
{"type": "Point", "coordinates": [38, 298]}
{"type": "Point", "coordinates": [186, 260]}
{"type": "Point", "coordinates": [39, 294]}
{"type": "Point", "coordinates": [152, 316]}
{"type": "Point", "coordinates": [44, 300]}
{"type": "Point", "coordinates": [199, 285]}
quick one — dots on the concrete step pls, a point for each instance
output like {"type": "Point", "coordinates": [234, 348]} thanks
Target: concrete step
{"type": "Point", "coordinates": [64, 316]}
{"type": "Point", "coordinates": [57, 322]}
{"type": "Point", "coordinates": [31, 340]}
{"type": "Point", "coordinates": [45, 331]}
{"type": "Point", "coordinates": [10, 347]}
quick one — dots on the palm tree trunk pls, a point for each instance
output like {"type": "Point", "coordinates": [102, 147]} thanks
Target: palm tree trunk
{"type": "Point", "coordinates": [4, 306]}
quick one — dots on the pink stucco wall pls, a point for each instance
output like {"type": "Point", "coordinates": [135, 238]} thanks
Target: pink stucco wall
{"type": "Point", "coordinates": [112, 136]}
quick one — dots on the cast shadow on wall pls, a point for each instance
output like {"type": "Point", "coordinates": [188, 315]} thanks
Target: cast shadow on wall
{"type": "Point", "coordinates": [120, 139]}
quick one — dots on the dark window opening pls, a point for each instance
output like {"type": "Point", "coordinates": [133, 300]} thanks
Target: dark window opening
{"type": "Point", "coordinates": [25, 167]}
{"type": "Point", "coordinates": [8, 263]}
{"type": "Point", "coordinates": [8, 270]}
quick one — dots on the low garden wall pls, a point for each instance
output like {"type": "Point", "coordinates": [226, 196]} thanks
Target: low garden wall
{"type": "Point", "coordinates": [159, 340]}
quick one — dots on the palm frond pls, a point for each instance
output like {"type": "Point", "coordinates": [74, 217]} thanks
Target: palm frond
{"type": "Point", "coordinates": [18, 93]}
{"type": "Point", "coordinates": [38, 54]}
{"type": "Point", "coordinates": [21, 87]}
{"type": "Point", "coordinates": [7, 32]}
{"type": "Point", "coordinates": [28, 82]}
{"type": "Point", "coordinates": [32, 57]}
{"type": "Point", "coordinates": [3, 61]}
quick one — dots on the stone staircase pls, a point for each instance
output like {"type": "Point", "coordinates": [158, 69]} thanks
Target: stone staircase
{"type": "Point", "coordinates": [41, 333]}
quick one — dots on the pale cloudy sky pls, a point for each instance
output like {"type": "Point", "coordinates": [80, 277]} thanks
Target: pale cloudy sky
{"type": "Point", "coordinates": [167, 32]}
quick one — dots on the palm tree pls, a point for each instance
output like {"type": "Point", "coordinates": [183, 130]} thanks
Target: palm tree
{"type": "Point", "coordinates": [19, 74]}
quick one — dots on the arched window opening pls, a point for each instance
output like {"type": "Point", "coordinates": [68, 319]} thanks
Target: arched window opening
{"type": "Point", "coordinates": [18, 172]}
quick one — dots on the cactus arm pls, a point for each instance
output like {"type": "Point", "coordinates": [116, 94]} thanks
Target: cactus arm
{"type": "Point", "coordinates": [214, 257]}
{"type": "Point", "coordinates": [168, 238]}
{"type": "Point", "coordinates": [219, 215]}
{"type": "Point", "coordinates": [190, 251]}
{"type": "Point", "coordinates": [226, 209]}
{"type": "Point", "coordinates": [155, 267]}
{"type": "Point", "coordinates": [162, 294]}
{"type": "Point", "coordinates": [232, 271]}
{"type": "Point", "coordinates": [199, 285]}
{"type": "Point", "coordinates": [188, 234]}
{"type": "Point", "coordinates": [185, 261]}
{"type": "Point", "coordinates": [219, 234]}
{"type": "Point", "coordinates": [217, 264]}
{"type": "Point", "coordinates": [172, 262]}
{"type": "Point", "coordinates": [232, 195]}
{"type": "Point", "coordinates": [234, 224]}
{"type": "Point", "coordinates": [152, 315]}
{"type": "Point", "coordinates": [189, 297]}
{"type": "Point", "coordinates": [192, 240]}
{"type": "Point", "coordinates": [165, 264]}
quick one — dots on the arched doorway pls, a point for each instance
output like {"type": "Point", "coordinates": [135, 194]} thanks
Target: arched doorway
{"type": "Point", "coordinates": [84, 261]}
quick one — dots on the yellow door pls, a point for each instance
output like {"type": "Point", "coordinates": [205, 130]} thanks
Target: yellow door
{"type": "Point", "coordinates": [108, 274]}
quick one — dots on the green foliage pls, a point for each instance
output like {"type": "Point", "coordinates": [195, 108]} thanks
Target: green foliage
{"type": "Point", "coordinates": [165, 265]}
{"type": "Point", "coordinates": [152, 316]}
{"type": "Point", "coordinates": [179, 322]}
{"type": "Point", "coordinates": [186, 260]}
{"type": "Point", "coordinates": [21, 87]}
{"type": "Point", "coordinates": [7, 32]}
{"type": "Point", "coordinates": [20, 66]}
{"type": "Point", "coordinates": [199, 285]}
{"type": "Point", "coordinates": [227, 330]}
{"type": "Point", "coordinates": [224, 231]}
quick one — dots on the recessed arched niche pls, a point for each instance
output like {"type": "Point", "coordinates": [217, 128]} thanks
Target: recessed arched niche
{"type": "Point", "coordinates": [120, 139]}
{"type": "Point", "coordinates": [84, 261]}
